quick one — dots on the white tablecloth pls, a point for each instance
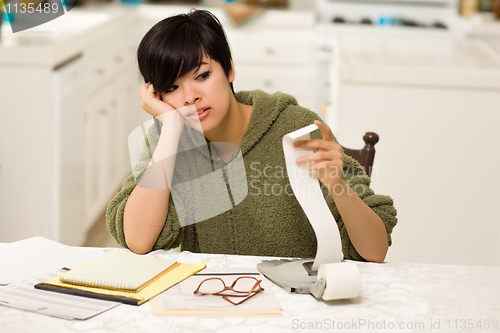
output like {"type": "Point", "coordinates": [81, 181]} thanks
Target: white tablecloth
{"type": "Point", "coordinates": [394, 297]}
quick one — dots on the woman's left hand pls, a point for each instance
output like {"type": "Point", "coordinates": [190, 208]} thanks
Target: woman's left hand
{"type": "Point", "coordinates": [327, 161]}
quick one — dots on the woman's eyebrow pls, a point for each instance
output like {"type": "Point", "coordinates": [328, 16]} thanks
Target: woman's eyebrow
{"type": "Point", "coordinates": [199, 65]}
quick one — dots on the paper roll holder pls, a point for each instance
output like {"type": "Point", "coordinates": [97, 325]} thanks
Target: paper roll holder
{"type": "Point", "coordinates": [295, 276]}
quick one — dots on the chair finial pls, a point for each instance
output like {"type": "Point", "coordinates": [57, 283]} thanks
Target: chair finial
{"type": "Point", "coordinates": [370, 138]}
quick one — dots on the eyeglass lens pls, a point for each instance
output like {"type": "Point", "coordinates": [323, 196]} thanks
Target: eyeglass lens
{"type": "Point", "coordinates": [211, 286]}
{"type": "Point", "coordinates": [240, 285]}
{"type": "Point", "coordinates": [244, 284]}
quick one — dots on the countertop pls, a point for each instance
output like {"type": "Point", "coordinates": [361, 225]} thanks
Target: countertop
{"type": "Point", "coordinates": [58, 40]}
{"type": "Point", "coordinates": [484, 27]}
{"type": "Point", "coordinates": [424, 58]}
{"type": "Point", "coordinates": [52, 43]}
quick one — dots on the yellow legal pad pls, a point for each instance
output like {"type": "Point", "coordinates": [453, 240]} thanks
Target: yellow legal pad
{"type": "Point", "coordinates": [176, 273]}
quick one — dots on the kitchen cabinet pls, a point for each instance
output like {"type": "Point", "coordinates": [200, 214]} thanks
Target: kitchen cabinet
{"type": "Point", "coordinates": [111, 107]}
{"type": "Point", "coordinates": [102, 125]}
{"type": "Point", "coordinates": [25, 138]}
{"type": "Point", "coordinates": [274, 52]}
{"type": "Point", "coordinates": [436, 111]}
{"type": "Point", "coordinates": [66, 153]}
{"type": "Point", "coordinates": [75, 100]}
{"type": "Point", "coordinates": [109, 119]}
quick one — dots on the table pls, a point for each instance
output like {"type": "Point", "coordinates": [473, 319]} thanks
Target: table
{"type": "Point", "coordinates": [394, 297]}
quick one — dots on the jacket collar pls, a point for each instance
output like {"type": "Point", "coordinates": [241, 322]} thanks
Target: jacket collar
{"type": "Point", "coordinates": [266, 109]}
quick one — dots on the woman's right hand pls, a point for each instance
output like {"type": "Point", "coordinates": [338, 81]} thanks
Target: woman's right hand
{"type": "Point", "coordinates": [153, 104]}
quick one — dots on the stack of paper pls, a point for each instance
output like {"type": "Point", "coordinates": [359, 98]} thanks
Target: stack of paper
{"type": "Point", "coordinates": [180, 300]}
{"type": "Point", "coordinates": [21, 295]}
{"type": "Point", "coordinates": [33, 256]}
{"type": "Point", "coordinates": [122, 277]}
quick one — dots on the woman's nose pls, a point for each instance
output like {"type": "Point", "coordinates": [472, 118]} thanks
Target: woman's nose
{"type": "Point", "coordinates": [191, 96]}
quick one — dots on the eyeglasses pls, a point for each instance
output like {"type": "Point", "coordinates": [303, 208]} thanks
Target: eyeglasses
{"type": "Point", "coordinates": [244, 286]}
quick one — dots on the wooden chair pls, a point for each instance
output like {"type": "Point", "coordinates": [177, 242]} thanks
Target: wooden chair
{"type": "Point", "coordinates": [365, 155]}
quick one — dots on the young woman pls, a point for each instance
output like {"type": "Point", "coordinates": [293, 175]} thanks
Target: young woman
{"type": "Point", "coordinates": [186, 63]}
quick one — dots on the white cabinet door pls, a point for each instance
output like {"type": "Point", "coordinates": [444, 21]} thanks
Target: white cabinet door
{"type": "Point", "coordinates": [118, 165]}
{"type": "Point", "coordinates": [63, 147]}
{"type": "Point", "coordinates": [100, 151]}
{"type": "Point", "coordinates": [272, 46]}
{"type": "Point", "coordinates": [274, 58]}
{"type": "Point", "coordinates": [107, 126]}
{"type": "Point", "coordinates": [94, 152]}
{"type": "Point", "coordinates": [68, 154]}
{"type": "Point", "coordinates": [25, 174]}
{"type": "Point", "coordinates": [293, 81]}
{"type": "Point", "coordinates": [132, 115]}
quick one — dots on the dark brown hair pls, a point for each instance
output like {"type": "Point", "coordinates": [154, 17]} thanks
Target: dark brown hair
{"type": "Point", "coordinates": [175, 46]}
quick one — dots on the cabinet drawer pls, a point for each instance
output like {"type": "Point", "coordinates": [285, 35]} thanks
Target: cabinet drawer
{"type": "Point", "coordinates": [296, 81]}
{"type": "Point", "coordinates": [275, 47]}
{"type": "Point", "coordinates": [123, 53]}
{"type": "Point", "coordinates": [107, 59]}
{"type": "Point", "coordinates": [71, 78]}
{"type": "Point", "coordinates": [99, 70]}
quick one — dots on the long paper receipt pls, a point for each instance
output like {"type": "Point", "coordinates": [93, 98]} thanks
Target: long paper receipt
{"type": "Point", "coordinates": [307, 190]}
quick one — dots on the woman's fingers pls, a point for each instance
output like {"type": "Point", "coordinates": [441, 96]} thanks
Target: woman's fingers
{"type": "Point", "coordinates": [330, 167]}
{"type": "Point", "coordinates": [325, 130]}
{"type": "Point", "coordinates": [152, 102]}
{"type": "Point", "coordinates": [328, 154]}
{"type": "Point", "coordinates": [320, 156]}
{"type": "Point", "coordinates": [327, 159]}
{"type": "Point", "coordinates": [145, 91]}
{"type": "Point", "coordinates": [314, 144]}
{"type": "Point", "coordinates": [151, 91]}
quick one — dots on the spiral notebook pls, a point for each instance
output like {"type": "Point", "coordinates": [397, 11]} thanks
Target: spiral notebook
{"type": "Point", "coordinates": [118, 271]}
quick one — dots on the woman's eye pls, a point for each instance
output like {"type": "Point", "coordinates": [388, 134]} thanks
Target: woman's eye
{"type": "Point", "coordinates": [203, 76]}
{"type": "Point", "coordinates": [171, 89]}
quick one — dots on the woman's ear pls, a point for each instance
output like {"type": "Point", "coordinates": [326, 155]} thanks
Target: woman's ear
{"type": "Point", "coordinates": [230, 77]}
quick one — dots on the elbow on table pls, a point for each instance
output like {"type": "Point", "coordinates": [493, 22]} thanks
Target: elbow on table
{"type": "Point", "coordinates": [377, 257]}
{"type": "Point", "coordinates": [138, 247]}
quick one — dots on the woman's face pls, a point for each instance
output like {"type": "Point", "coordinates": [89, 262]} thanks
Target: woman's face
{"type": "Point", "coordinates": [208, 89]}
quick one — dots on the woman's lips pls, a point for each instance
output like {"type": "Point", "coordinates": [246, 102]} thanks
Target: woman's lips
{"type": "Point", "coordinates": [200, 116]}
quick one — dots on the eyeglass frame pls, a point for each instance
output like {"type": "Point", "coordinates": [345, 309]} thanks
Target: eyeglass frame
{"type": "Point", "coordinates": [248, 294]}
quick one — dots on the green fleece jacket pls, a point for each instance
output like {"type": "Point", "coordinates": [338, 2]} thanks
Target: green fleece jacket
{"type": "Point", "coordinates": [269, 221]}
